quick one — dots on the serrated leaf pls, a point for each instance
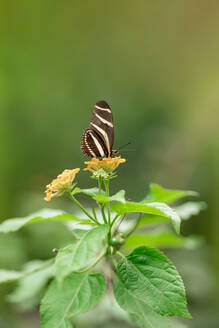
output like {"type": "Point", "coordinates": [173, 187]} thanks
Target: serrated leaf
{"type": "Point", "coordinates": [79, 293]}
{"type": "Point", "coordinates": [142, 313]}
{"type": "Point", "coordinates": [30, 286]}
{"type": "Point", "coordinates": [160, 194]}
{"type": "Point", "coordinates": [42, 215]}
{"type": "Point", "coordinates": [82, 254]}
{"type": "Point", "coordinates": [153, 279]}
{"type": "Point", "coordinates": [159, 209]}
{"type": "Point", "coordinates": [190, 208]}
{"type": "Point", "coordinates": [162, 238]}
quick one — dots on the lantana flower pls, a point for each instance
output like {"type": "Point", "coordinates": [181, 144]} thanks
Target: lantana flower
{"type": "Point", "coordinates": [104, 167]}
{"type": "Point", "coordinates": [61, 184]}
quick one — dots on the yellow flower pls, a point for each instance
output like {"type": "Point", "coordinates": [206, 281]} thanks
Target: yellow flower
{"type": "Point", "coordinates": [104, 167]}
{"type": "Point", "coordinates": [62, 183]}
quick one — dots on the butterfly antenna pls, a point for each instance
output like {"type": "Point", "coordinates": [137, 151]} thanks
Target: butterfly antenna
{"type": "Point", "coordinates": [124, 145]}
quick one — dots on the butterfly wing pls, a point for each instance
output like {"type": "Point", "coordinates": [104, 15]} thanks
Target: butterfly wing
{"type": "Point", "coordinates": [92, 145]}
{"type": "Point", "coordinates": [97, 140]}
{"type": "Point", "coordinates": [102, 124]}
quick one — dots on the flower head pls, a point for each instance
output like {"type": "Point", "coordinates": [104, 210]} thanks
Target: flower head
{"type": "Point", "coordinates": [104, 167]}
{"type": "Point", "coordinates": [61, 184]}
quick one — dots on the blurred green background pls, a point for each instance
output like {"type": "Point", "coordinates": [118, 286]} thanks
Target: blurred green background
{"type": "Point", "coordinates": [156, 64]}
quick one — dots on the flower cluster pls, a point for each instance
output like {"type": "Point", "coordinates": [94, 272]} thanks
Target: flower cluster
{"type": "Point", "coordinates": [61, 184]}
{"type": "Point", "coordinates": [105, 167]}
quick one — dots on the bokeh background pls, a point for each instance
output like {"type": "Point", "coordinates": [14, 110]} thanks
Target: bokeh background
{"type": "Point", "coordinates": [156, 64]}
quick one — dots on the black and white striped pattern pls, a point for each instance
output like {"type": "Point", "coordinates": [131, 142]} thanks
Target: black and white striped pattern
{"type": "Point", "coordinates": [97, 140]}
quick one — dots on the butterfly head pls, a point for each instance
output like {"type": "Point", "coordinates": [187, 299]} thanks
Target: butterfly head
{"type": "Point", "coordinates": [114, 152]}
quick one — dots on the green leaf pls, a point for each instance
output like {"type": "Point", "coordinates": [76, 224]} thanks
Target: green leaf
{"type": "Point", "coordinates": [142, 313]}
{"type": "Point", "coordinates": [101, 197]}
{"type": "Point", "coordinates": [79, 293]}
{"type": "Point", "coordinates": [30, 286]}
{"type": "Point", "coordinates": [79, 233]}
{"type": "Point", "coordinates": [90, 192]}
{"type": "Point", "coordinates": [153, 279]}
{"type": "Point", "coordinates": [42, 215]}
{"type": "Point", "coordinates": [119, 197]}
{"type": "Point", "coordinates": [10, 276]}
{"type": "Point", "coordinates": [81, 255]}
{"type": "Point", "coordinates": [189, 209]}
{"type": "Point", "coordinates": [150, 219]}
{"type": "Point", "coordinates": [160, 194]}
{"type": "Point", "coordinates": [185, 211]}
{"type": "Point", "coordinates": [178, 324]}
{"type": "Point", "coordinates": [162, 238]}
{"type": "Point", "coordinates": [67, 324]}
{"type": "Point", "coordinates": [159, 209]}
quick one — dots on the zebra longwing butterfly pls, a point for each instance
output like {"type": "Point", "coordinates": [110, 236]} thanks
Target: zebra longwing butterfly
{"type": "Point", "coordinates": [97, 140]}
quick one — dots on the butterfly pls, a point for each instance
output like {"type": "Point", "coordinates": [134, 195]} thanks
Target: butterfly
{"type": "Point", "coordinates": [98, 139]}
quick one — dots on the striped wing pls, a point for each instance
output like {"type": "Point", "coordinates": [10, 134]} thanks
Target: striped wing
{"type": "Point", "coordinates": [97, 140]}
{"type": "Point", "coordinates": [92, 145]}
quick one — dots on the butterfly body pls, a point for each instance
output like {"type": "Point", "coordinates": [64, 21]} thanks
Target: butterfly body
{"type": "Point", "coordinates": [98, 139]}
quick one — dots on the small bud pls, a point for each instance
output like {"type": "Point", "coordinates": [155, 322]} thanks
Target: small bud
{"type": "Point", "coordinates": [118, 240]}
{"type": "Point", "coordinates": [110, 250]}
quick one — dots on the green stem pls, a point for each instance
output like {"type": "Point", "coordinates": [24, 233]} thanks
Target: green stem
{"type": "Point", "coordinates": [103, 213]}
{"type": "Point", "coordinates": [100, 184]}
{"type": "Point", "coordinates": [94, 213]}
{"type": "Point", "coordinates": [132, 228]}
{"type": "Point", "coordinates": [120, 254]}
{"type": "Point", "coordinates": [101, 205]}
{"type": "Point", "coordinates": [114, 219]}
{"type": "Point", "coordinates": [106, 183]}
{"type": "Point", "coordinates": [81, 207]}
{"type": "Point", "coordinates": [118, 225]}
{"type": "Point", "coordinates": [113, 262]}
